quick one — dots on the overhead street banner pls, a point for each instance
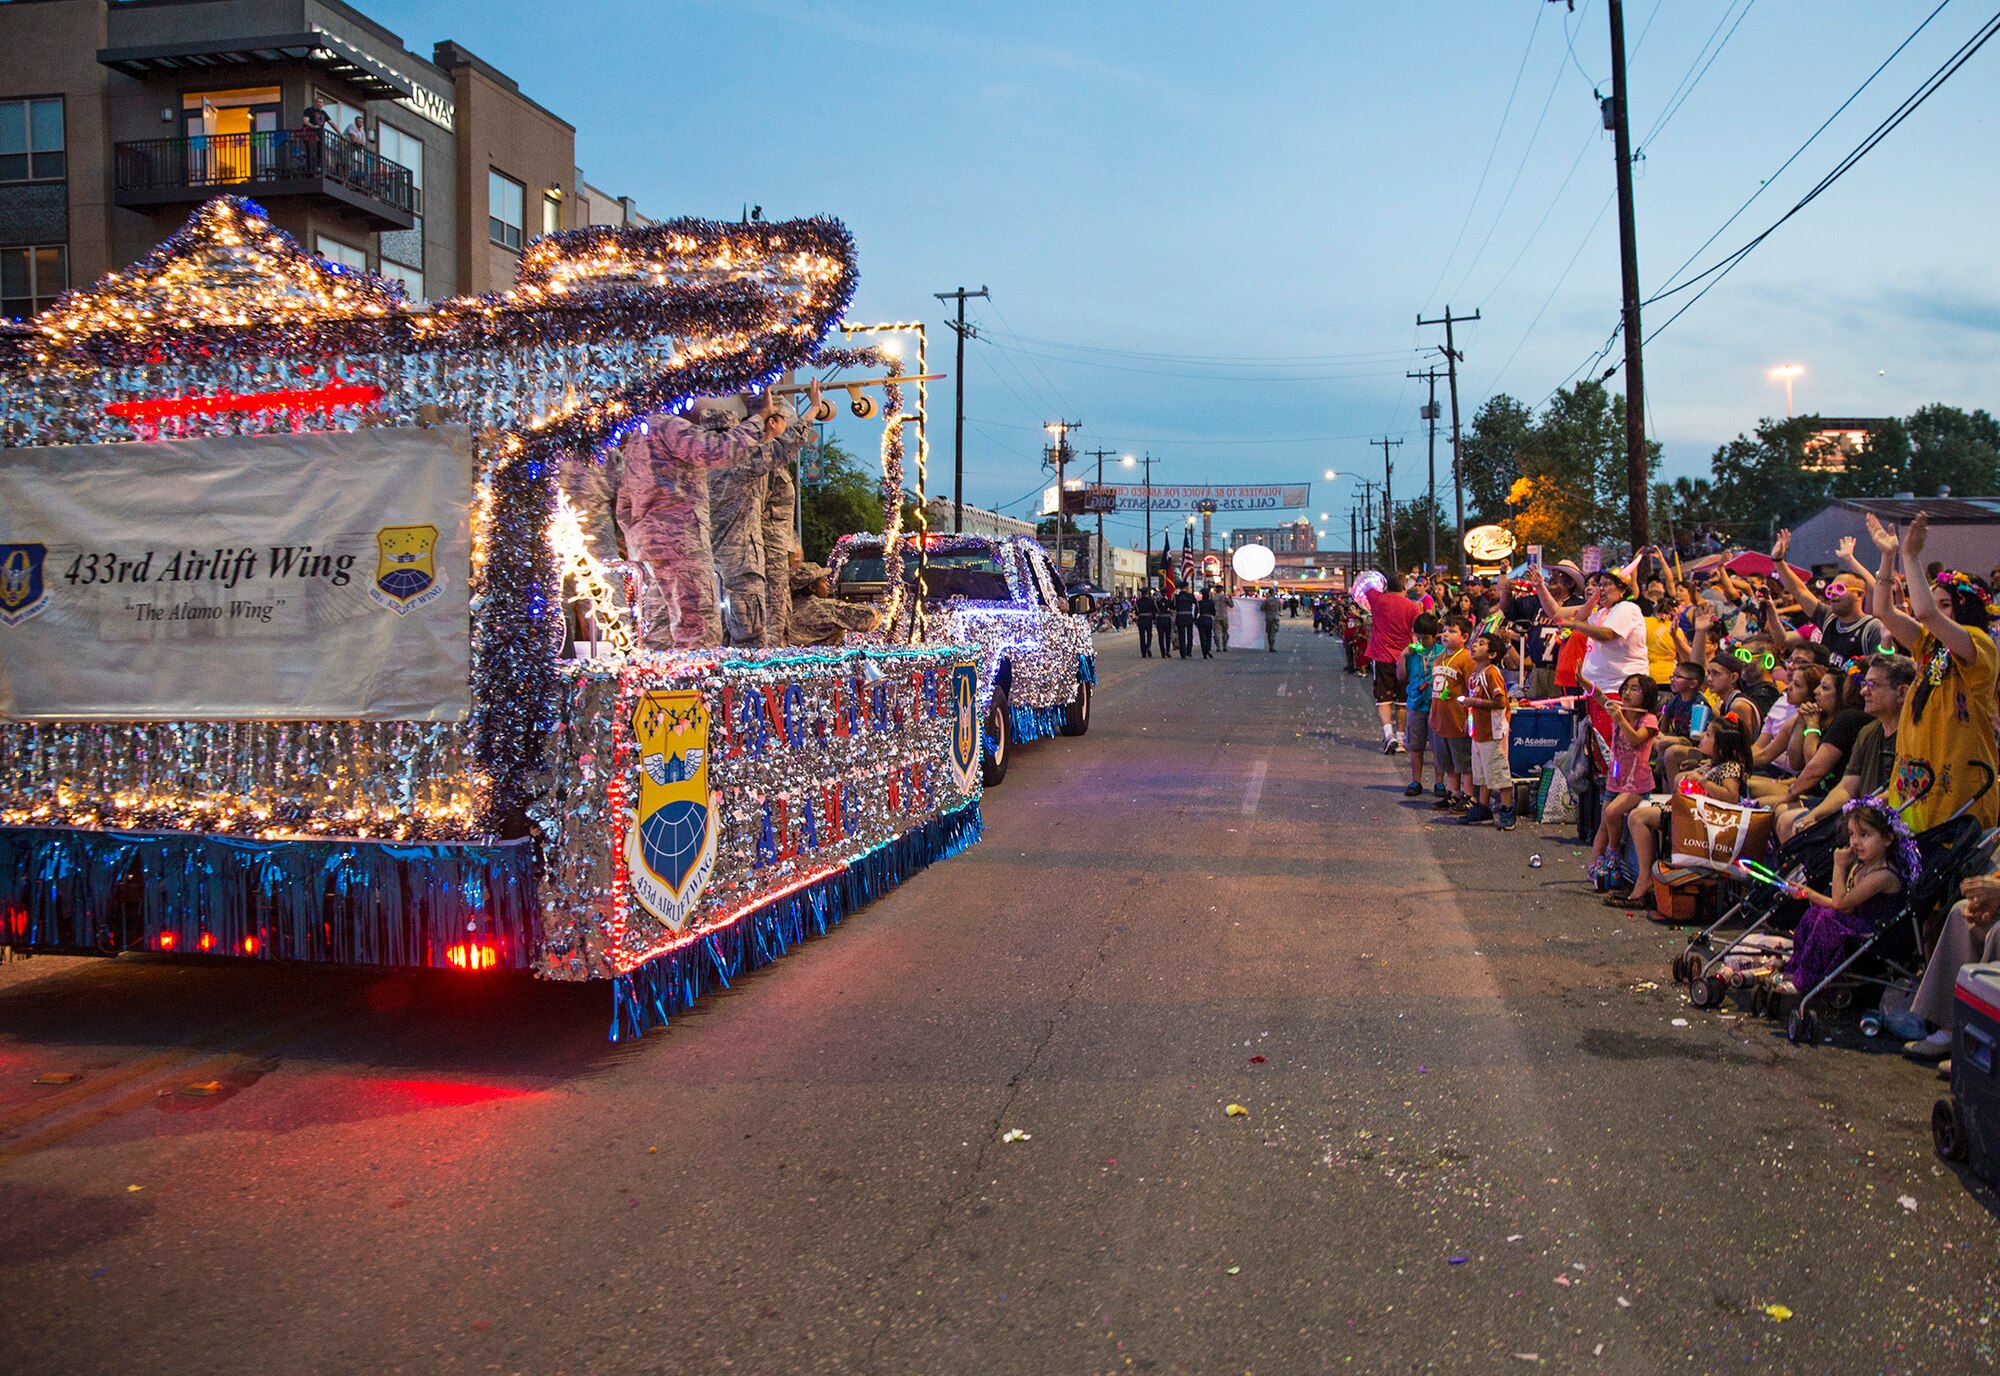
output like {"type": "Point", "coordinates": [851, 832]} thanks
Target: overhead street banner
{"type": "Point", "coordinates": [270, 577]}
{"type": "Point", "coordinates": [1290, 497]}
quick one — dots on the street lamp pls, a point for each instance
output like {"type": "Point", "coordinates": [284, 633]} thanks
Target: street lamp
{"type": "Point", "coordinates": [1331, 475]}
{"type": "Point", "coordinates": [1788, 371]}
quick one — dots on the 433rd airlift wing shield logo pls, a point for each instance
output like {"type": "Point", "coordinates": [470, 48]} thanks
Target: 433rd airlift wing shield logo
{"type": "Point", "coordinates": [23, 594]}
{"type": "Point", "coordinates": [406, 568]}
{"type": "Point", "coordinates": [670, 840]}
{"type": "Point", "coordinates": [965, 741]}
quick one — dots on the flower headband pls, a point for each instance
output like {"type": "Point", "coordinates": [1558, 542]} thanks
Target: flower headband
{"type": "Point", "coordinates": [1960, 582]}
{"type": "Point", "coordinates": [1899, 832]}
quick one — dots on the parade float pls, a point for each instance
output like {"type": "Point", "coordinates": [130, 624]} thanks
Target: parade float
{"type": "Point", "coordinates": [291, 665]}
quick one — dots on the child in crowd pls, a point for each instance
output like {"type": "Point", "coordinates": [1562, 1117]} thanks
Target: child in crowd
{"type": "Point", "coordinates": [1486, 694]}
{"type": "Point", "coordinates": [1869, 874]}
{"type": "Point", "coordinates": [1677, 711]}
{"type": "Point", "coordinates": [1634, 727]}
{"type": "Point", "coordinates": [1725, 745]}
{"type": "Point", "coordinates": [1451, 730]}
{"type": "Point", "coordinates": [1415, 671]}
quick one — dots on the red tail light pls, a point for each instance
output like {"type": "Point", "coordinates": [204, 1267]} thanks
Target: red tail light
{"type": "Point", "coordinates": [472, 955]}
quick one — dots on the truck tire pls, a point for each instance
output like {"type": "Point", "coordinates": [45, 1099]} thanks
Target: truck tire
{"type": "Point", "coordinates": [1076, 715]}
{"type": "Point", "coordinates": [998, 730]}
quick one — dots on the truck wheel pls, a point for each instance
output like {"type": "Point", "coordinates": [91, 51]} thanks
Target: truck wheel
{"type": "Point", "coordinates": [999, 732]}
{"type": "Point", "coordinates": [1076, 716]}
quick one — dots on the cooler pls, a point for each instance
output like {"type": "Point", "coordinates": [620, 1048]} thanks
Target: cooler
{"type": "Point", "coordinates": [1974, 1106]}
{"type": "Point", "coordinates": [1537, 736]}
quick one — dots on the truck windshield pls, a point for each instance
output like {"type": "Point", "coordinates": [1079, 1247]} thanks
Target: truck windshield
{"type": "Point", "coordinates": [973, 574]}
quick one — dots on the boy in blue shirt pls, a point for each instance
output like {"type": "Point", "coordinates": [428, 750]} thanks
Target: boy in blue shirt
{"type": "Point", "coordinates": [1415, 672]}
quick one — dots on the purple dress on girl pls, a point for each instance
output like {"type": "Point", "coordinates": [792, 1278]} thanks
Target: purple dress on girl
{"type": "Point", "coordinates": [1820, 942]}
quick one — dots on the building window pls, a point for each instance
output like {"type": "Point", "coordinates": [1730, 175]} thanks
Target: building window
{"type": "Point", "coordinates": [411, 278]}
{"type": "Point", "coordinates": [551, 214]}
{"type": "Point", "coordinates": [503, 210]}
{"type": "Point", "coordinates": [406, 149]}
{"type": "Point", "coordinates": [31, 141]}
{"type": "Point", "coordinates": [31, 278]}
{"type": "Point", "coordinates": [336, 252]}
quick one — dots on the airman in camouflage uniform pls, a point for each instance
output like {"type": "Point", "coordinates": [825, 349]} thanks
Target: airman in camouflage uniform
{"type": "Point", "coordinates": [817, 619]}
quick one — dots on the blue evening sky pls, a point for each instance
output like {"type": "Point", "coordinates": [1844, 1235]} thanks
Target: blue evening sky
{"type": "Point", "coordinates": [1209, 228]}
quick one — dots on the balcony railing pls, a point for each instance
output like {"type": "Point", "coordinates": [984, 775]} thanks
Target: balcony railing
{"type": "Point", "coordinates": [277, 161]}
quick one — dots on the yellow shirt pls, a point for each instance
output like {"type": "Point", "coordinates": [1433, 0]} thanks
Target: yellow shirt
{"type": "Point", "coordinates": [1956, 730]}
{"type": "Point", "coordinates": [1659, 648]}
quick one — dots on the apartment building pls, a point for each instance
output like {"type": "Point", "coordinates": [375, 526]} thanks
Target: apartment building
{"type": "Point", "coordinates": [119, 117]}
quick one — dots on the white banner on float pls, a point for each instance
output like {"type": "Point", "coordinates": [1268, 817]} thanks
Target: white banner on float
{"type": "Point", "coordinates": [269, 577]}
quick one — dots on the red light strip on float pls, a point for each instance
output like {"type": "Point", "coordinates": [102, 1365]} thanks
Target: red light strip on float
{"type": "Point", "coordinates": [324, 398]}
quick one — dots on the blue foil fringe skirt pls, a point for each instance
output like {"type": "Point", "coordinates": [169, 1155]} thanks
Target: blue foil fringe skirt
{"type": "Point", "coordinates": [643, 997]}
{"type": "Point", "coordinates": [343, 901]}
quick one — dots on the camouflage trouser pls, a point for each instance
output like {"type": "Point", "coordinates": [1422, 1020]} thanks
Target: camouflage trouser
{"type": "Point", "coordinates": [736, 532]}
{"type": "Point", "coordinates": [780, 541]}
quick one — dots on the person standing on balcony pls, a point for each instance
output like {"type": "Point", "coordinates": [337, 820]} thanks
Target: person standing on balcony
{"type": "Point", "coordinates": [314, 125]}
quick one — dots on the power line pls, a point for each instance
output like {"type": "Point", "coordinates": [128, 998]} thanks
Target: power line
{"type": "Point", "coordinates": [1722, 267]}
{"type": "Point", "coordinates": [1498, 131]}
{"type": "Point", "coordinates": [1526, 151]}
{"type": "Point", "coordinates": [1202, 377]}
{"type": "Point", "coordinates": [1765, 184]}
{"type": "Point", "coordinates": [1246, 360]}
{"type": "Point", "coordinates": [1685, 86]}
{"type": "Point", "coordinates": [1009, 329]}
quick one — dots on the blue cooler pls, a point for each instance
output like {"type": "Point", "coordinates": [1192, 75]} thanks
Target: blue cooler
{"type": "Point", "coordinates": [1537, 736]}
{"type": "Point", "coordinates": [1966, 1127]}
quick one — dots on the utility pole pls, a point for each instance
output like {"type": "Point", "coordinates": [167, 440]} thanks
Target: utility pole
{"type": "Point", "coordinates": [1628, 258]}
{"type": "Point", "coordinates": [1059, 452]}
{"type": "Point", "coordinates": [1368, 520]}
{"type": "Point", "coordinates": [964, 332]}
{"type": "Point", "coordinates": [1353, 543]}
{"type": "Point", "coordinates": [1430, 413]}
{"type": "Point", "coordinates": [1452, 358]}
{"type": "Point", "coordinates": [1389, 497]}
{"type": "Point", "coordinates": [1099, 454]}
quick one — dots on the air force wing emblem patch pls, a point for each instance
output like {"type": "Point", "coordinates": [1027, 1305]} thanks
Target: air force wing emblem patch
{"type": "Point", "coordinates": [406, 568]}
{"type": "Point", "coordinates": [23, 594]}
{"type": "Point", "coordinates": [670, 841]}
{"type": "Point", "coordinates": [966, 744]}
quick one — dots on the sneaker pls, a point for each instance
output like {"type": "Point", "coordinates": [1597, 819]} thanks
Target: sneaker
{"type": "Point", "coordinates": [1461, 802]}
{"type": "Point", "coordinates": [1478, 813]}
{"type": "Point", "coordinates": [1401, 744]}
{"type": "Point", "coordinates": [1440, 791]}
{"type": "Point", "coordinates": [1388, 745]}
{"type": "Point", "coordinates": [1932, 1048]}
{"type": "Point", "coordinates": [1503, 820]}
{"type": "Point", "coordinates": [1444, 803]}
{"type": "Point", "coordinates": [1415, 790]}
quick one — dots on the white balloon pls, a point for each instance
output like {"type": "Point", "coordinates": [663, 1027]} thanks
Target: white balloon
{"type": "Point", "coordinates": [1253, 563]}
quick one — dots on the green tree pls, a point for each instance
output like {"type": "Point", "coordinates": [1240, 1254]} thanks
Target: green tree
{"type": "Point", "coordinates": [1881, 467]}
{"type": "Point", "coordinates": [1412, 536]}
{"type": "Point", "coordinates": [1574, 460]}
{"type": "Point", "coordinates": [1955, 449]}
{"type": "Point", "coordinates": [845, 500]}
{"type": "Point", "coordinates": [1771, 478]}
{"type": "Point", "coordinates": [1487, 456]}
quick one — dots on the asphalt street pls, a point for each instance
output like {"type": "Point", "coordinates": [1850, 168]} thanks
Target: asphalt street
{"type": "Point", "coordinates": [986, 1125]}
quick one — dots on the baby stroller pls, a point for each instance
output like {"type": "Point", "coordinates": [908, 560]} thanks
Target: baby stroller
{"type": "Point", "coordinates": [1891, 957]}
{"type": "Point", "coordinates": [1759, 909]}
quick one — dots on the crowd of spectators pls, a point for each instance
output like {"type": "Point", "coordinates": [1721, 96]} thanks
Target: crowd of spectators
{"type": "Point", "coordinates": [1861, 694]}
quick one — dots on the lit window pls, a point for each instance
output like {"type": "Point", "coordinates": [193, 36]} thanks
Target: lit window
{"type": "Point", "coordinates": [411, 278]}
{"type": "Point", "coordinates": [551, 214]}
{"type": "Point", "coordinates": [31, 278]}
{"type": "Point", "coordinates": [503, 210]}
{"type": "Point", "coordinates": [336, 252]}
{"type": "Point", "coordinates": [31, 141]}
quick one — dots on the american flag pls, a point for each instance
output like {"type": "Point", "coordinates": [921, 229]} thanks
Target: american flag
{"type": "Point", "coordinates": [1187, 557]}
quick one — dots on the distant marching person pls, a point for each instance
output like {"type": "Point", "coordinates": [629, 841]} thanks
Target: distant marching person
{"type": "Point", "coordinates": [1184, 623]}
{"type": "Point", "coordinates": [1163, 625]}
{"type": "Point", "coordinates": [1204, 621]}
{"type": "Point", "coordinates": [1147, 609]}
{"type": "Point", "coordinates": [1271, 621]}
